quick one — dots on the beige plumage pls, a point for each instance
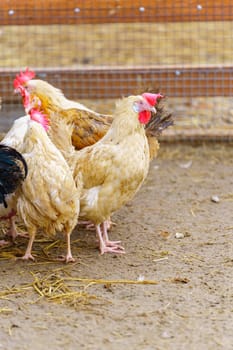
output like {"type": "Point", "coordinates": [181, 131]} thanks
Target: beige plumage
{"type": "Point", "coordinates": [114, 168]}
{"type": "Point", "coordinates": [88, 126]}
{"type": "Point", "coordinates": [49, 198]}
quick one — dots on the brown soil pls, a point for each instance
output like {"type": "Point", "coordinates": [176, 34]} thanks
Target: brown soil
{"type": "Point", "coordinates": [191, 304]}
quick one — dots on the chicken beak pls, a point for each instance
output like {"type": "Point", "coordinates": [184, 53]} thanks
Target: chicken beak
{"type": "Point", "coordinates": [153, 109]}
{"type": "Point", "coordinates": [17, 91]}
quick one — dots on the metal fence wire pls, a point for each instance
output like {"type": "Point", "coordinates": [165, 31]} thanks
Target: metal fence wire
{"type": "Point", "coordinates": [98, 51]}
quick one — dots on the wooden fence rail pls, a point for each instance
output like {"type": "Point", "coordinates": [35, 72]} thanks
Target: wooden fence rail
{"type": "Point", "coordinates": [26, 12]}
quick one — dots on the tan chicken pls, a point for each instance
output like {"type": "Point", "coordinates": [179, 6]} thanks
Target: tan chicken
{"type": "Point", "coordinates": [88, 125]}
{"type": "Point", "coordinates": [158, 121]}
{"type": "Point", "coordinates": [49, 197]}
{"type": "Point", "coordinates": [115, 167]}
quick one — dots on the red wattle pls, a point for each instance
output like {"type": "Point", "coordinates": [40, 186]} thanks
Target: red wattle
{"type": "Point", "coordinates": [144, 117]}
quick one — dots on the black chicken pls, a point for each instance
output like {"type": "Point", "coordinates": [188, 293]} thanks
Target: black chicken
{"type": "Point", "coordinates": [13, 171]}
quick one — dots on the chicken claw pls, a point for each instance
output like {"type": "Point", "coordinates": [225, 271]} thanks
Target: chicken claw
{"type": "Point", "coordinates": [108, 243]}
{"type": "Point", "coordinates": [3, 243]}
{"type": "Point", "coordinates": [105, 245]}
{"type": "Point", "coordinates": [27, 256]}
{"type": "Point", "coordinates": [115, 250]}
{"type": "Point", "coordinates": [66, 258]}
{"type": "Point", "coordinates": [70, 259]}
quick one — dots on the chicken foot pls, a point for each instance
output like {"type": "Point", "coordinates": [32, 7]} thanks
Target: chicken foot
{"type": "Point", "coordinates": [28, 254]}
{"type": "Point", "coordinates": [105, 245]}
{"type": "Point", "coordinates": [105, 227]}
{"type": "Point", "coordinates": [68, 258]}
{"type": "Point", "coordinates": [3, 243]}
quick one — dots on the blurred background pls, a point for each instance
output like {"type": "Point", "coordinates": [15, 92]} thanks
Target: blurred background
{"type": "Point", "coordinates": [98, 51]}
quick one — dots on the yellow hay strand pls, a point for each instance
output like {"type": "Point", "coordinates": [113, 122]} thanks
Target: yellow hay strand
{"type": "Point", "coordinates": [103, 281]}
{"type": "Point", "coordinates": [5, 310]}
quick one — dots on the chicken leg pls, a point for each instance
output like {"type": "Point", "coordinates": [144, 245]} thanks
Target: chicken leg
{"type": "Point", "coordinates": [91, 226]}
{"type": "Point", "coordinates": [68, 257]}
{"type": "Point", "coordinates": [105, 245]}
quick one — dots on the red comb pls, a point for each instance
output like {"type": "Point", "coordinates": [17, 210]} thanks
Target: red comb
{"type": "Point", "coordinates": [39, 117]}
{"type": "Point", "coordinates": [23, 77]}
{"type": "Point", "coordinates": [152, 99]}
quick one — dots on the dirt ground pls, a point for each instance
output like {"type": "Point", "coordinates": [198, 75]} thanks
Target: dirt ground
{"type": "Point", "coordinates": [164, 293]}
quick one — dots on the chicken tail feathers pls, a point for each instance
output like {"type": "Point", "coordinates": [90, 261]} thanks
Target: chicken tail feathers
{"type": "Point", "coordinates": [13, 170]}
{"type": "Point", "coordinates": [159, 121]}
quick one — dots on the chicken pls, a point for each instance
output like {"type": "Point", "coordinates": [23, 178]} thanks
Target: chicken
{"type": "Point", "coordinates": [49, 197]}
{"type": "Point", "coordinates": [114, 168]}
{"type": "Point", "coordinates": [14, 138]}
{"type": "Point", "coordinates": [13, 171]}
{"type": "Point", "coordinates": [88, 125]}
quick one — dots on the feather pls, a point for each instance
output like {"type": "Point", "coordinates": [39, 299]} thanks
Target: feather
{"type": "Point", "coordinates": [114, 168]}
{"type": "Point", "coordinates": [89, 126]}
{"type": "Point", "coordinates": [49, 197]}
{"type": "Point", "coordinates": [13, 171]}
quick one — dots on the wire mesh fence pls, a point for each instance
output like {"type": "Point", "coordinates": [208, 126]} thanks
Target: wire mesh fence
{"type": "Point", "coordinates": [97, 51]}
